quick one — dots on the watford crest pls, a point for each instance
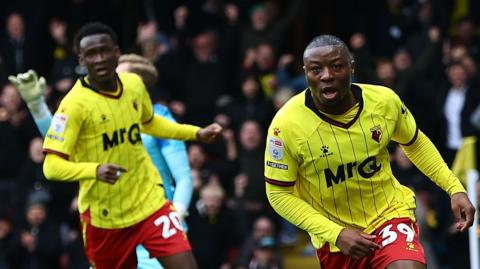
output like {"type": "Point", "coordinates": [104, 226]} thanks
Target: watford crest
{"type": "Point", "coordinates": [376, 133]}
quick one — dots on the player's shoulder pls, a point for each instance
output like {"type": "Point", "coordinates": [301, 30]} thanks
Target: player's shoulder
{"type": "Point", "coordinates": [131, 81]}
{"type": "Point", "coordinates": [290, 110]}
{"type": "Point", "coordinates": [76, 94]}
{"type": "Point", "coordinates": [376, 91]}
{"type": "Point", "coordinates": [376, 95]}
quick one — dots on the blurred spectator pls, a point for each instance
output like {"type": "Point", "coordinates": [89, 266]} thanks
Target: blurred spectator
{"type": "Point", "coordinates": [202, 80]}
{"type": "Point", "coordinates": [31, 180]}
{"type": "Point", "coordinates": [6, 242]}
{"type": "Point", "coordinates": [249, 185]}
{"type": "Point", "coordinates": [17, 50]}
{"type": "Point", "coordinates": [465, 35]}
{"type": "Point", "coordinates": [212, 229]}
{"type": "Point", "coordinates": [265, 255]}
{"type": "Point", "coordinates": [261, 227]}
{"type": "Point", "coordinates": [250, 105]}
{"type": "Point", "coordinates": [456, 103]}
{"type": "Point", "coordinates": [65, 68]}
{"type": "Point", "coordinates": [16, 130]}
{"type": "Point", "coordinates": [261, 61]}
{"type": "Point", "coordinates": [39, 245]}
{"type": "Point", "coordinates": [264, 29]}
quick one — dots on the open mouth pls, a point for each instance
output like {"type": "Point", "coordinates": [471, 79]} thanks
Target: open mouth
{"type": "Point", "coordinates": [101, 71]}
{"type": "Point", "coordinates": [329, 93]}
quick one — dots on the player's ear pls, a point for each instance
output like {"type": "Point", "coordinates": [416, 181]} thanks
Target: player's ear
{"type": "Point", "coordinates": [117, 52]}
{"type": "Point", "coordinates": [352, 66]}
{"type": "Point", "coordinates": [81, 59]}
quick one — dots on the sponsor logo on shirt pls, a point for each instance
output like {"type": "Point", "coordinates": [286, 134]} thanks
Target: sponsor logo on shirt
{"type": "Point", "coordinates": [55, 137]}
{"type": "Point", "coordinates": [277, 165]}
{"type": "Point", "coordinates": [275, 148]}
{"type": "Point", "coordinates": [325, 152]}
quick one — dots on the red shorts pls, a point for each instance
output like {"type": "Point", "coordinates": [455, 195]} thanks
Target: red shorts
{"type": "Point", "coordinates": [399, 238]}
{"type": "Point", "coordinates": [161, 234]}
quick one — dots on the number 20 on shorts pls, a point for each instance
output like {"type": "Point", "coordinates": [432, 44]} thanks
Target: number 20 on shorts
{"type": "Point", "coordinates": [167, 222]}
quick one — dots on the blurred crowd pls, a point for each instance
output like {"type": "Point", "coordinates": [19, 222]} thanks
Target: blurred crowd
{"type": "Point", "coordinates": [234, 62]}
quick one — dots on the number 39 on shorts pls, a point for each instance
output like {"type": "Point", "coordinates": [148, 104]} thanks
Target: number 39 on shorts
{"type": "Point", "coordinates": [171, 224]}
{"type": "Point", "coordinates": [390, 235]}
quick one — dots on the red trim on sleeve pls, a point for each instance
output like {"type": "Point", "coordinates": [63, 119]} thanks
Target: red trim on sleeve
{"type": "Point", "coordinates": [413, 139]}
{"type": "Point", "coordinates": [58, 153]}
{"type": "Point", "coordinates": [279, 183]}
{"type": "Point", "coordinates": [149, 120]}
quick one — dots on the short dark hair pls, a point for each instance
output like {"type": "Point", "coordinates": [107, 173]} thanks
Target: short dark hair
{"type": "Point", "coordinates": [93, 28]}
{"type": "Point", "coordinates": [327, 40]}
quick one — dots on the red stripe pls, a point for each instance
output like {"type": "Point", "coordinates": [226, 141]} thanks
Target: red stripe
{"type": "Point", "coordinates": [149, 120]}
{"type": "Point", "coordinates": [279, 183]}
{"type": "Point", "coordinates": [413, 139]}
{"type": "Point", "coordinates": [60, 154]}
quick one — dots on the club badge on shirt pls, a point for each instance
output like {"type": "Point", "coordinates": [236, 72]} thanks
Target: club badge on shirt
{"type": "Point", "coordinates": [275, 148]}
{"type": "Point", "coordinates": [59, 122]}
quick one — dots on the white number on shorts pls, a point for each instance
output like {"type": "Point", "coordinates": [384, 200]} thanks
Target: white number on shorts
{"type": "Point", "coordinates": [390, 236]}
{"type": "Point", "coordinates": [166, 221]}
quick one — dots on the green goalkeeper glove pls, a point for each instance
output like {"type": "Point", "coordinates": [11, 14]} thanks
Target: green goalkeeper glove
{"type": "Point", "coordinates": [31, 89]}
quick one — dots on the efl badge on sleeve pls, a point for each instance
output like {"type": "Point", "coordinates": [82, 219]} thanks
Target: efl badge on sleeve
{"type": "Point", "coordinates": [376, 133]}
{"type": "Point", "coordinates": [59, 122]}
{"type": "Point", "coordinates": [275, 148]}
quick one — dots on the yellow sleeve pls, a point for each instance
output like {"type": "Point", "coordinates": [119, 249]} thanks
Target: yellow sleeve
{"type": "Point", "coordinates": [62, 134]}
{"type": "Point", "coordinates": [147, 106]}
{"type": "Point", "coordinates": [163, 128]}
{"type": "Point", "coordinates": [426, 157]}
{"type": "Point", "coordinates": [406, 127]}
{"type": "Point", "coordinates": [58, 168]}
{"type": "Point", "coordinates": [281, 166]}
{"type": "Point", "coordinates": [301, 214]}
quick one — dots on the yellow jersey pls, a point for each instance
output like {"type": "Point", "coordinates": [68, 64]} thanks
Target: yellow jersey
{"type": "Point", "coordinates": [342, 168]}
{"type": "Point", "coordinates": [93, 126]}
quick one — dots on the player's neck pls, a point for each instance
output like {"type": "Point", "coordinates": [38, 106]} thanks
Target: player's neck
{"type": "Point", "coordinates": [104, 86]}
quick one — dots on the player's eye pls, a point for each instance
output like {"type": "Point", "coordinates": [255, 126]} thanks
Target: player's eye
{"type": "Point", "coordinates": [315, 69]}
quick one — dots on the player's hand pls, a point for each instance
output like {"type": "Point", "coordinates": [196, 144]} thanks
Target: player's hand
{"type": "Point", "coordinates": [463, 211]}
{"type": "Point", "coordinates": [210, 134]}
{"type": "Point", "coordinates": [31, 87]}
{"type": "Point", "coordinates": [356, 244]}
{"type": "Point", "coordinates": [109, 172]}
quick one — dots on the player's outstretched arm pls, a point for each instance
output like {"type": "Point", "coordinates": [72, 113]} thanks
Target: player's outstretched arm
{"type": "Point", "coordinates": [162, 128]}
{"type": "Point", "coordinates": [426, 157]}
{"type": "Point", "coordinates": [31, 89]}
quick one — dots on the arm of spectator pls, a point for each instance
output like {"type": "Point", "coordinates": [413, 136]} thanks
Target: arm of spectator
{"type": "Point", "coordinates": [420, 67]}
{"type": "Point", "coordinates": [364, 64]}
{"type": "Point", "coordinates": [475, 118]}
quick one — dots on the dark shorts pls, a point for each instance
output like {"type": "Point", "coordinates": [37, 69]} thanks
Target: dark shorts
{"type": "Point", "coordinates": [161, 234]}
{"type": "Point", "coordinates": [399, 238]}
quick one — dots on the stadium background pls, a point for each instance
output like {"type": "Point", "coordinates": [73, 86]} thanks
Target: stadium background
{"type": "Point", "coordinates": [235, 62]}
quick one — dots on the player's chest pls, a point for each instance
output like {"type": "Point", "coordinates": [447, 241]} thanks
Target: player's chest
{"type": "Point", "coordinates": [330, 145]}
{"type": "Point", "coordinates": [115, 121]}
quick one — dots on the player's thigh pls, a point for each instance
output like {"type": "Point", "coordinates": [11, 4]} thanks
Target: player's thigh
{"type": "Point", "coordinates": [162, 233]}
{"type": "Point", "coordinates": [406, 264]}
{"type": "Point", "coordinates": [184, 260]}
{"type": "Point", "coordinates": [401, 246]}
